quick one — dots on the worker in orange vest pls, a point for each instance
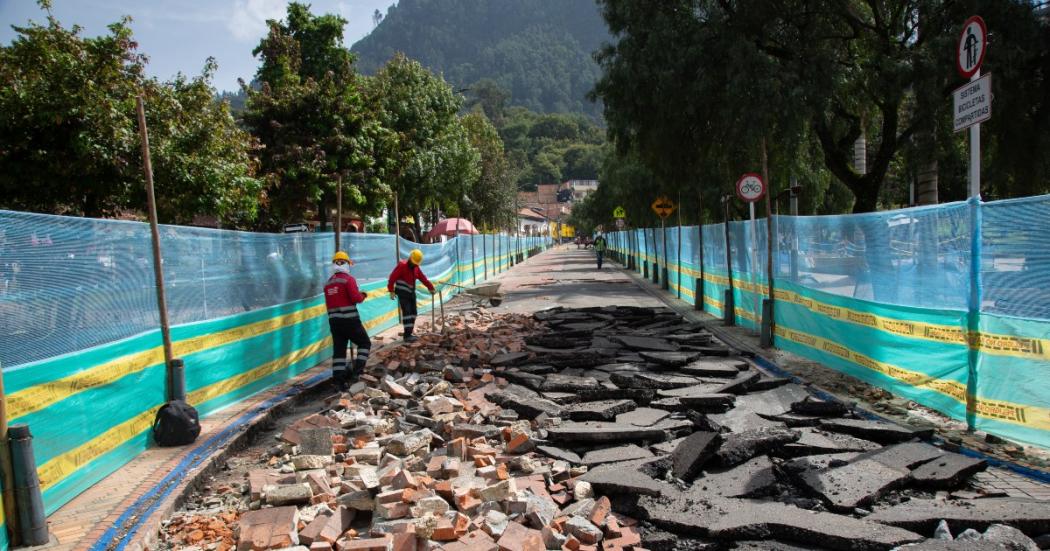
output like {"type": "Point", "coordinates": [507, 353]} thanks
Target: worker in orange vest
{"type": "Point", "coordinates": [341, 297]}
{"type": "Point", "coordinates": [402, 285]}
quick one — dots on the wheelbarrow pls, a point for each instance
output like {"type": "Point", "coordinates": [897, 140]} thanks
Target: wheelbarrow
{"type": "Point", "coordinates": [481, 293]}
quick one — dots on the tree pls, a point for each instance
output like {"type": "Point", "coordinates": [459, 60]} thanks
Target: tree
{"type": "Point", "coordinates": [493, 194]}
{"type": "Point", "coordinates": [69, 141]}
{"type": "Point", "coordinates": [696, 84]}
{"type": "Point", "coordinates": [315, 123]}
{"type": "Point", "coordinates": [432, 162]}
{"type": "Point", "coordinates": [537, 50]}
{"type": "Point", "coordinates": [491, 98]}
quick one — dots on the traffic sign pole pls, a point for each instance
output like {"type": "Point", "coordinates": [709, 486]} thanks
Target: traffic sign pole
{"type": "Point", "coordinates": [754, 262]}
{"type": "Point", "coordinates": [975, 151]}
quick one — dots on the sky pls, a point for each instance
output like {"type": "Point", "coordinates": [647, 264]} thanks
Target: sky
{"type": "Point", "coordinates": [179, 35]}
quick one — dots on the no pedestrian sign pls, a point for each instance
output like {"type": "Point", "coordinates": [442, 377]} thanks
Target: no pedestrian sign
{"type": "Point", "coordinates": [750, 187]}
{"type": "Point", "coordinates": [973, 43]}
{"type": "Point", "coordinates": [972, 103]}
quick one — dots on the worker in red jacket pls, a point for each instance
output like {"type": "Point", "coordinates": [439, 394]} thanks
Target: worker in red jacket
{"type": "Point", "coordinates": [402, 285]}
{"type": "Point", "coordinates": [342, 296]}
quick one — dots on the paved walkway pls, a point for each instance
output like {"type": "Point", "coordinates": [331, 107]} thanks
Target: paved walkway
{"type": "Point", "coordinates": [567, 276]}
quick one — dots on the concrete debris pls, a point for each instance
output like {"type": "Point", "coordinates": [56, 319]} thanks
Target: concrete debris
{"type": "Point", "coordinates": [855, 484]}
{"type": "Point", "coordinates": [922, 515]}
{"type": "Point", "coordinates": [741, 446]}
{"type": "Point", "coordinates": [604, 410]}
{"type": "Point", "coordinates": [882, 432]}
{"type": "Point", "coordinates": [948, 471]}
{"type": "Point", "coordinates": [693, 452]}
{"type": "Point", "coordinates": [514, 433]}
{"type": "Point", "coordinates": [629, 452]}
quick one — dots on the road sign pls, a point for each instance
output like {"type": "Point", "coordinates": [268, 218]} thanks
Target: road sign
{"type": "Point", "coordinates": [620, 223]}
{"type": "Point", "coordinates": [619, 212]}
{"type": "Point", "coordinates": [750, 187]}
{"type": "Point", "coordinates": [973, 43]}
{"type": "Point", "coordinates": [663, 207]}
{"type": "Point", "coordinates": [972, 103]}
{"type": "Point", "coordinates": [296, 228]}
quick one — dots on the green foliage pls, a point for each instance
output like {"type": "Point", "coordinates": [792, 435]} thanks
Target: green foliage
{"type": "Point", "coordinates": [550, 148]}
{"type": "Point", "coordinates": [696, 85]}
{"type": "Point", "coordinates": [492, 197]}
{"type": "Point", "coordinates": [315, 123]}
{"type": "Point", "coordinates": [432, 162]}
{"type": "Point", "coordinates": [69, 139]}
{"type": "Point", "coordinates": [538, 50]}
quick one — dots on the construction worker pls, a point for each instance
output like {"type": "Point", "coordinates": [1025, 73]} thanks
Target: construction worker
{"type": "Point", "coordinates": [342, 296]}
{"type": "Point", "coordinates": [599, 249]}
{"type": "Point", "coordinates": [402, 285]}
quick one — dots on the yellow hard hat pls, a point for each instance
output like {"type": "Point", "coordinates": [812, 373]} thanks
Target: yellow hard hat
{"type": "Point", "coordinates": [416, 256]}
{"type": "Point", "coordinates": [341, 255]}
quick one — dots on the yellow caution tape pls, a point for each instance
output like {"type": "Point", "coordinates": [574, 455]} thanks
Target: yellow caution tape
{"type": "Point", "coordinates": [56, 469]}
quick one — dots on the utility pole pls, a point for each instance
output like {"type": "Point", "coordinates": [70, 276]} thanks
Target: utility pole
{"type": "Point", "coordinates": [338, 212]}
{"type": "Point", "coordinates": [175, 374]}
{"type": "Point", "coordinates": [729, 316]}
{"type": "Point", "coordinates": [767, 306]}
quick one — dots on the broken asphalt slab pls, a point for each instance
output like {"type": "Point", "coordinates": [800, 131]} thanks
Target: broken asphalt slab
{"type": "Point", "coordinates": [922, 515]}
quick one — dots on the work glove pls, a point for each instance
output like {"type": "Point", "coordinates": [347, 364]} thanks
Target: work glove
{"type": "Point", "coordinates": [364, 294]}
{"type": "Point", "coordinates": [392, 296]}
{"type": "Point", "coordinates": [432, 291]}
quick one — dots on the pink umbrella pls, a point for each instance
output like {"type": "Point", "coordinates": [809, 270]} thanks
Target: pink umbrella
{"type": "Point", "coordinates": [451, 227]}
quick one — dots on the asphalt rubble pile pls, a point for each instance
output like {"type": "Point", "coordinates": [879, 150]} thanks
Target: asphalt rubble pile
{"type": "Point", "coordinates": [614, 428]}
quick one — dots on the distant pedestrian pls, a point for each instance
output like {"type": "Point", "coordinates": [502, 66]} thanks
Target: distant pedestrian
{"type": "Point", "coordinates": [599, 249]}
{"type": "Point", "coordinates": [402, 285]}
{"type": "Point", "coordinates": [341, 296]}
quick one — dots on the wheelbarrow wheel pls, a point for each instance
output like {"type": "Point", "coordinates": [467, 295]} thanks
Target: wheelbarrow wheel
{"type": "Point", "coordinates": [495, 301]}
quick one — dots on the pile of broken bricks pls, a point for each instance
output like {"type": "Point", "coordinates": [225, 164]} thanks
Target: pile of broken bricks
{"type": "Point", "coordinates": [616, 428]}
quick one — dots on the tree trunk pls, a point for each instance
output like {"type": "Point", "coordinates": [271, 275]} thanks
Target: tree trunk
{"type": "Point", "coordinates": [926, 190]}
{"type": "Point", "coordinates": [322, 212]}
{"type": "Point", "coordinates": [860, 154]}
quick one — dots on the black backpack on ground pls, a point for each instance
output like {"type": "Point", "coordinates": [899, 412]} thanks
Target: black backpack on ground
{"type": "Point", "coordinates": [177, 424]}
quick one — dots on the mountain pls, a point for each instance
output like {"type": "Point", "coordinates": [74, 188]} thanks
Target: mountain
{"type": "Point", "coordinates": [538, 50]}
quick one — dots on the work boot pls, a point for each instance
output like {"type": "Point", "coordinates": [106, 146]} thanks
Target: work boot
{"type": "Point", "coordinates": [359, 369]}
{"type": "Point", "coordinates": [410, 338]}
{"type": "Point", "coordinates": [340, 379]}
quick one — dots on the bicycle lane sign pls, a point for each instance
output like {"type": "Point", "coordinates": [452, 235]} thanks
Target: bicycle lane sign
{"type": "Point", "coordinates": [750, 187]}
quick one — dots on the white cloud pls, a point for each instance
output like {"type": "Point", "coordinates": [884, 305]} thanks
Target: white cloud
{"type": "Point", "coordinates": [248, 20]}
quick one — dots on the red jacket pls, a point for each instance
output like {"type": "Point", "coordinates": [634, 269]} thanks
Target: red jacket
{"type": "Point", "coordinates": [342, 296]}
{"type": "Point", "coordinates": [404, 278]}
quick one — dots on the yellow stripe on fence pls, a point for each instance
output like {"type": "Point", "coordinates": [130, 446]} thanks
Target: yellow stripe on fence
{"type": "Point", "coordinates": [61, 466]}
{"type": "Point", "coordinates": [37, 397]}
{"type": "Point", "coordinates": [1026, 415]}
{"type": "Point", "coordinates": [989, 343]}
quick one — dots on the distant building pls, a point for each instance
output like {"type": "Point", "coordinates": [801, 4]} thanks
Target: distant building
{"type": "Point", "coordinates": [581, 188]}
{"type": "Point", "coordinates": [554, 201]}
{"type": "Point", "coordinates": [532, 222]}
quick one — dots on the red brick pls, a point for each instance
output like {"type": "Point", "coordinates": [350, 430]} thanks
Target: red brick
{"type": "Point", "coordinates": [478, 541]}
{"type": "Point", "coordinates": [404, 541]}
{"type": "Point", "coordinates": [518, 443]}
{"type": "Point", "coordinates": [371, 544]}
{"type": "Point", "coordinates": [404, 479]}
{"type": "Point", "coordinates": [271, 528]}
{"type": "Point", "coordinates": [393, 511]}
{"type": "Point", "coordinates": [602, 506]}
{"type": "Point", "coordinates": [458, 448]}
{"type": "Point", "coordinates": [519, 538]}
